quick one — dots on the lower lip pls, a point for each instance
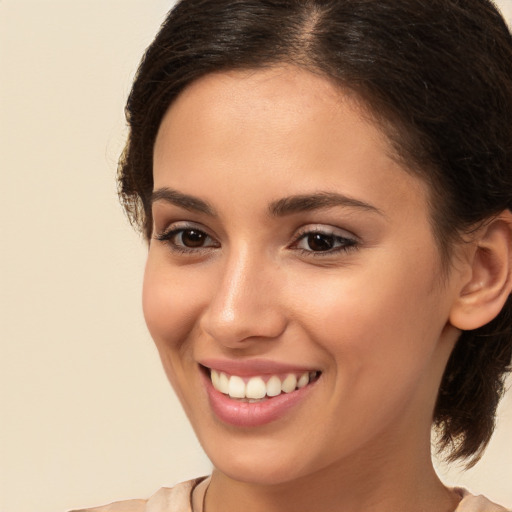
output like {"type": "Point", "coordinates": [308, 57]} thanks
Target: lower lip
{"type": "Point", "coordinates": [255, 414]}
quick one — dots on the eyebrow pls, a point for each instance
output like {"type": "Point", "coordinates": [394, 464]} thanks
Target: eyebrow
{"type": "Point", "coordinates": [279, 208]}
{"type": "Point", "coordinates": [309, 202]}
{"type": "Point", "coordinates": [184, 201]}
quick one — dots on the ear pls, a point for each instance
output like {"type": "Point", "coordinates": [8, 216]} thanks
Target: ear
{"type": "Point", "coordinates": [483, 295]}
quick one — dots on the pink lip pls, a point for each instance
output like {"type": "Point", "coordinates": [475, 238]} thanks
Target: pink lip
{"type": "Point", "coordinates": [245, 414]}
{"type": "Point", "coordinates": [254, 367]}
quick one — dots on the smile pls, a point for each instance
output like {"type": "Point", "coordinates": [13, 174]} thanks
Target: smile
{"type": "Point", "coordinates": [248, 394]}
{"type": "Point", "coordinates": [259, 388]}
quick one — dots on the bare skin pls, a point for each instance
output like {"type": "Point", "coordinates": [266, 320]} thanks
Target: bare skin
{"type": "Point", "coordinates": [348, 287]}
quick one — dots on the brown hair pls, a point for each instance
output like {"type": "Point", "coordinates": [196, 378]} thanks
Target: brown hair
{"type": "Point", "coordinates": [436, 76]}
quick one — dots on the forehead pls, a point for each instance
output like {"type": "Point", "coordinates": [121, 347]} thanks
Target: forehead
{"type": "Point", "coordinates": [283, 123]}
{"type": "Point", "coordinates": [290, 88]}
{"type": "Point", "coordinates": [270, 102]}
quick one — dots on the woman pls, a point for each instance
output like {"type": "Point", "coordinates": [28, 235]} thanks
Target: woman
{"type": "Point", "coordinates": [326, 191]}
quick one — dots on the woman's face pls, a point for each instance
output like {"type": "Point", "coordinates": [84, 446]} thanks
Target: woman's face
{"type": "Point", "coordinates": [289, 246]}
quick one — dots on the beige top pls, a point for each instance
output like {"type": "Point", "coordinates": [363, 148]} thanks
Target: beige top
{"type": "Point", "coordinates": [189, 497]}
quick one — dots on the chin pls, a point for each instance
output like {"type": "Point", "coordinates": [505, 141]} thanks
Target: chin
{"type": "Point", "coordinates": [260, 462]}
{"type": "Point", "coordinates": [258, 472]}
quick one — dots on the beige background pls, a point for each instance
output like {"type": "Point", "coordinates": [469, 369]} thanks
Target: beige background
{"type": "Point", "coordinates": [86, 415]}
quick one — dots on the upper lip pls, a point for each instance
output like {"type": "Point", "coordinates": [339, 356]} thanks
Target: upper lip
{"type": "Point", "coordinates": [250, 367]}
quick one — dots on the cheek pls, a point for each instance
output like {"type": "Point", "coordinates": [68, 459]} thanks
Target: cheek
{"type": "Point", "coordinates": [378, 317]}
{"type": "Point", "coordinates": [171, 302]}
{"type": "Point", "coordinates": [171, 305]}
{"type": "Point", "coordinates": [382, 341]}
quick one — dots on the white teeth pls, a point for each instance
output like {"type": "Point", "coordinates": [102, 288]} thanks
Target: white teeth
{"type": "Point", "coordinates": [223, 383]}
{"type": "Point", "coordinates": [256, 389]}
{"type": "Point", "coordinates": [303, 380]}
{"type": "Point", "coordinates": [215, 379]}
{"type": "Point", "coordinates": [236, 387]}
{"type": "Point", "coordinates": [289, 384]}
{"type": "Point", "coordinates": [220, 381]}
{"type": "Point", "coordinates": [273, 386]}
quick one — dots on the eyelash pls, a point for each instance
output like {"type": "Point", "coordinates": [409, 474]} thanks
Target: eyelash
{"type": "Point", "coordinates": [168, 236]}
{"type": "Point", "coordinates": [345, 244]}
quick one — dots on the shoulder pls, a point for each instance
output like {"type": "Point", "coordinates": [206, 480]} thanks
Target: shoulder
{"type": "Point", "coordinates": [118, 506]}
{"type": "Point", "coordinates": [471, 503]}
{"type": "Point", "coordinates": [168, 499]}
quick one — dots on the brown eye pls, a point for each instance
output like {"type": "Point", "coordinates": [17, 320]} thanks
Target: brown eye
{"type": "Point", "coordinates": [330, 241]}
{"type": "Point", "coordinates": [320, 242]}
{"type": "Point", "coordinates": [191, 238]}
{"type": "Point", "coordinates": [187, 239]}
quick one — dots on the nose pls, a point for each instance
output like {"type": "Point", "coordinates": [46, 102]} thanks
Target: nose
{"type": "Point", "coordinates": [245, 304]}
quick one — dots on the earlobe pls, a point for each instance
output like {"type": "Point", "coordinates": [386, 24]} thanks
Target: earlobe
{"type": "Point", "coordinates": [482, 297]}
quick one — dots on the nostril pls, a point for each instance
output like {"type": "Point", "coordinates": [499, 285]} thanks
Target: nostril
{"type": "Point", "coordinates": [239, 330]}
{"type": "Point", "coordinates": [243, 307]}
